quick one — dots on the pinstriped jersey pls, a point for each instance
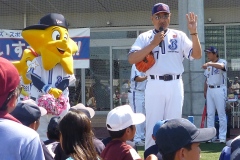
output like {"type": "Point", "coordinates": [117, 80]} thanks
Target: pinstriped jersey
{"type": "Point", "coordinates": [216, 76]}
{"type": "Point", "coordinates": [169, 55]}
{"type": "Point", "coordinates": [52, 77]}
{"type": "Point", "coordinates": [137, 85]}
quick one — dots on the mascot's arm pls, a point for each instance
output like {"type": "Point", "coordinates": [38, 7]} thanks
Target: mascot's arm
{"type": "Point", "coordinates": [40, 85]}
{"type": "Point", "coordinates": [66, 82]}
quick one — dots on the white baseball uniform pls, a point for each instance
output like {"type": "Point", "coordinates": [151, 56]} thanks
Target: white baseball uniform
{"type": "Point", "coordinates": [164, 98]}
{"type": "Point", "coordinates": [26, 88]}
{"type": "Point", "coordinates": [52, 78]}
{"type": "Point", "coordinates": [136, 97]}
{"type": "Point", "coordinates": [216, 97]}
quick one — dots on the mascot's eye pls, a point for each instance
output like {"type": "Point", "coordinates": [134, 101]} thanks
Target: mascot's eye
{"type": "Point", "coordinates": [56, 35]}
{"type": "Point", "coordinates": [65, 36]}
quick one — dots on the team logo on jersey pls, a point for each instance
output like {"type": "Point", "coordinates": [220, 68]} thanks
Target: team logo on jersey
{"type": "Point", "coordinates": [216, 71]}
{"type": "Point", "coordinates": [59, 79]}
{"type": "Point", "coordinates": [173, 44]}
{"type": "Point", "coordinates": [174, 36]}
{"type": "Point", "coordinates": [208, 69]}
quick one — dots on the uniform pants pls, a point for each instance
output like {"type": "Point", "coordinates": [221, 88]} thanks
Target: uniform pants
{"type": "Point", "coordinates": [137, 102]}
{"type": "Point", "coordinates": [163, 100]}
{"type": "Point", "coordinates": [44, 121]}
{"type": "Point", "coordinates": [216, 99]}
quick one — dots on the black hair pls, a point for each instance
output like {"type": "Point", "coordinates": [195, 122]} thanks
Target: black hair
{"type": "Point", "coordinates": [118, 134]}
{"type": "Point", "coordinates": [53, 132]}
{"type": "Point", "coordinates": [76, 136]}
{"type": "Point", "coordinates": [171, 156]}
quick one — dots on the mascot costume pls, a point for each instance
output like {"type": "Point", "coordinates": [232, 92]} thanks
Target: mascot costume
{"type": "Point", "coordinates": [51, 71]}
{"type": "Point", "coordinates": [22, 67]}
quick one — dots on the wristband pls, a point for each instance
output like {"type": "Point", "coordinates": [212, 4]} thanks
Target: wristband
{"type": "Point", "coordinates": [193, 34]}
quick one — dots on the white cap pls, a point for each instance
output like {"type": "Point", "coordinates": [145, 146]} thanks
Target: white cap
{"type": "Point", "coordinates": [90, 112]}
{"type": "Point", "coordinates": [122, 117]}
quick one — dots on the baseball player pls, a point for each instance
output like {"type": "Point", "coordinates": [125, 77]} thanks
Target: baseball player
{"type": "Point", "coordinates": [136, 97]}
{"type": "Point", "coordinates": [215, 91]}
{"type": "Point", "coordinates": [164, 89]}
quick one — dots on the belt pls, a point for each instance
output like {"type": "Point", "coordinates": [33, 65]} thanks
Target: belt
{"type": "Point", "coordinates": [210, 86]}
{"type": "Point", "coordinates": [129, 91]}
{"type": "Point", "coordinates": [166, 77]}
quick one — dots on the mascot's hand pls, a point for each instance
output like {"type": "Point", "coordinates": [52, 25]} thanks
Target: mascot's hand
{"type": "Point", "coordinates": [55, 92]}
{"type": "Point", "coordinates": [23, 92]}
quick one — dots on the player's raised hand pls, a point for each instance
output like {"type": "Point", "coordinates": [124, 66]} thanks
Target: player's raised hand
{"type": "Point", "coordinates": [55, 92]}
{"type": "Point", "coordinates": [192, 22]}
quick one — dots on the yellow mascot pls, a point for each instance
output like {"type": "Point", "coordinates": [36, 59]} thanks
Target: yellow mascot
{"type": "Point", "coordinates": [52, 71]}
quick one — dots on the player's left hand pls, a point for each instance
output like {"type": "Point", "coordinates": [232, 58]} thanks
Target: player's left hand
{"type": "Point", "coordinates": [192, 22]}
{"type": "Point", "coordinates": [204, 66]}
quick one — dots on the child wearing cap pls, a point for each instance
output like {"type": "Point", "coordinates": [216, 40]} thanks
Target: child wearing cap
{"type": "Point", "coordinates": [29, 113]}
{"type": "Point", "coordinates": [154, 148]}
{"type": "Point", "coordinates": [179, 139]}
{"type": "Point", "coordinates": [120, 124]}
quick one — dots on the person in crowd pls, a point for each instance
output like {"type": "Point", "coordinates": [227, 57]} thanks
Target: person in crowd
{"type": "Point", "coordinates": [179, 139]}
{"type": "Point", "coordinates": [28, 113]}
{"type": "Point", "coordinates": [120, 124]}
{"type": "Point", "coordinates": [154, 148]}
{"type": "Point", "coordinates": [136, 97]}
{"type": "Point", "coordinates": [17, 140]}
{"type": "Point", "coordinates": [98, 144]}
{"type": "Point", "coordinates": [235, 86]}
{"type": "Point", "coordinates": [215, 91]}
{"type": "Point", "coordinates": [76, 136]}
{"type": "Point", "coordinates": [169, 48]}
{"type": "Point", "coordinates": [53, 135]}
{"type": "Point", "coordinates": [232, 150]}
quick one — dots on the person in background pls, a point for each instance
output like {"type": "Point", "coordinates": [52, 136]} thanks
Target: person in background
{"type": "Point", "coordinates": [215, 91]}
{"type": "Point", "coordinates": [235, 86]}
{"type": "Point", "coordinates": [154, 148]}
{"type": "Point", "coordinates": [76, 136]}
{"type": "Point", "coordinates": [28, 113]}
{"type": "Point", "coordinates": [17, 140]}
{"type": "Point", "coordinates": [179, 139]}
{"type": "Point", "coordinates": [164, 94]}
{"type": "Point", "coordinates": [136, 97]}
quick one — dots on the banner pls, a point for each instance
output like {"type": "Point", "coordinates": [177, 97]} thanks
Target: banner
{"type": "Point", "coordinates": [12, 45]}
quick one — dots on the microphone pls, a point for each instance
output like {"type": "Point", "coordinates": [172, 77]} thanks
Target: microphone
{"type": "Point", "coordinates": [160, 30]}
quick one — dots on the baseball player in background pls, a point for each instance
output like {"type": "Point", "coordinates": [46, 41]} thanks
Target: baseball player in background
{"type": "Point", "coordinates": [215, 91]}
{"type": "Point", "coordinates": [164, 89]}
{"type": "Point", "coordinates": [136, 97]}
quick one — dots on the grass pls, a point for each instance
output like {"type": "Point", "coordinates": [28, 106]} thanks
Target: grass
{"type": "Point", "coordinates": [210, 151]}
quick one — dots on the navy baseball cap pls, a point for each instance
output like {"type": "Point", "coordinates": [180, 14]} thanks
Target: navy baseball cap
{"type": "Point", "coordinates": [28, 112]}
{"type": "Point", "coordinates": [177, 133]}
{"type": "Point", "coordinates": [160, 7]}
{"type": "Point", "coordinates": [157, 126]}
{"type": "Point", "coordinates": [52, 19]}
{"type": "Point", "coordinates": [211, 49]}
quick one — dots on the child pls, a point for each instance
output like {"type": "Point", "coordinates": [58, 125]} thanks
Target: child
{"type": "Point", "coordinates": [154, 148]}
{"type": "Point", "coordinates": [120, 124]}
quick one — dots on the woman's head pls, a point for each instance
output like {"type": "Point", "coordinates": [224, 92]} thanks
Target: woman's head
{"type": "Point", "coordinates": [76, 135]}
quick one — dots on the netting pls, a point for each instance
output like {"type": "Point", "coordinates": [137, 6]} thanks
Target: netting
{"type": "Point", "coordinates": [114, 25]}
